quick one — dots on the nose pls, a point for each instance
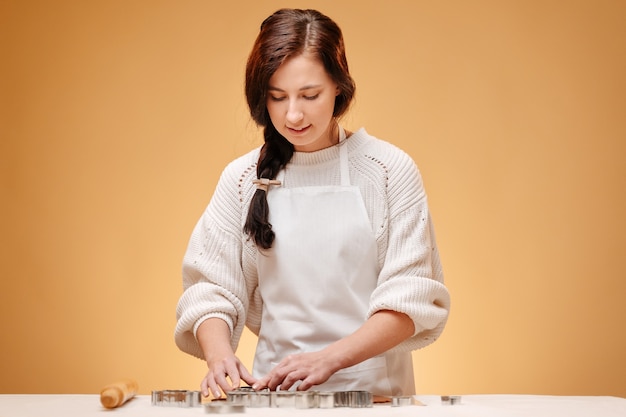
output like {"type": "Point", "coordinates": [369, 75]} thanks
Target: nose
{"type": "Point", "coordinates": [294, 113]}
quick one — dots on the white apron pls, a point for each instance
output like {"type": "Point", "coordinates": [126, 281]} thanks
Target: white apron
{"type": "Point", "coordinates": [316, 282]}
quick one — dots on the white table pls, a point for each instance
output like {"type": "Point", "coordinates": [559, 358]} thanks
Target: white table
{"type": "Point", "coordinates": [30, 405]}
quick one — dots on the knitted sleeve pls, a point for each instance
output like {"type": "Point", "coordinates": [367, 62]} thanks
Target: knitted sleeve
{"type": "Point", "coordinates": [213, 279]}
{"type": "Point", "coordinates": [411, 277]}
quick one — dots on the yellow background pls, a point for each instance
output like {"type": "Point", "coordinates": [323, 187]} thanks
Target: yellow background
{"type": "Point", "coordinates": [117, 117]}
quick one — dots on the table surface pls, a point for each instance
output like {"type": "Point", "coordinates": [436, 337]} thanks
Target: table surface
{"type": "Point", "coordinates": [27, 405]}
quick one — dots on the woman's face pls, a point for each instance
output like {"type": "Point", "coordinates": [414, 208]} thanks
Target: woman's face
{"type": "Point", "coordinates": [300, 102]}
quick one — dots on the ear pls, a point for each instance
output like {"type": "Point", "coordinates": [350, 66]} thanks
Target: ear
{"type": "Point", "coordinates": [337, 91]}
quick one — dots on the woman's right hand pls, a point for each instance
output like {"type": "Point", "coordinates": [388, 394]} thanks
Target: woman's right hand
{"type": "Point", "coordinates": [225, 370]}
{"type": "Point", "coordinates": [225, 375]}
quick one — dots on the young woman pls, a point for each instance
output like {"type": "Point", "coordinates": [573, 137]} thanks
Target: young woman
{"type": "Point", "coordinates": [320, 241]}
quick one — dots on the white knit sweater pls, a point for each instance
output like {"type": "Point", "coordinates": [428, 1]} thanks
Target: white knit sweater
{"type": "Point", "coordinates": [219, 267]}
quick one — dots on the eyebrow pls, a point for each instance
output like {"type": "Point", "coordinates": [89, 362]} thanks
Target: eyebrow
{"type": "Point", "coordinates": [306, 87]}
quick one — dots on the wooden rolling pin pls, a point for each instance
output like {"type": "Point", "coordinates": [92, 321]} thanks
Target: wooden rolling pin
{"type": "Point", "coordinates": [117, 393]}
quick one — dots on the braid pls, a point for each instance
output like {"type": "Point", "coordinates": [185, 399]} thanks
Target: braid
{"type": "Point", "coordinates": [275, 154]}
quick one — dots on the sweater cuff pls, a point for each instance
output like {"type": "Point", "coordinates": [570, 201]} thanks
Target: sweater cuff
{"type": "Point", "coordinates": [222, 316]}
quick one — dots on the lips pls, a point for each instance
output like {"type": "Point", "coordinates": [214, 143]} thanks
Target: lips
{"type": "Point", "coordinates": [299, 131]}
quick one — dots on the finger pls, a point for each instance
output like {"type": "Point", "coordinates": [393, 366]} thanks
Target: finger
{"type": "Point", "coordinates": [260, 383]}
{"type": "Point", "coordinates": [305, 385]}
{"type": "Point", "coordinates": [222, 382]}
{"type": "Point", "coordinates": [204, 387]}
{"type": "Point", "coordinates": [276, 378]}
{"type": "Point", "coordinates": [291, 378]}
{"type": "Point", "coordinates": [246, 376]}
{"type": "Point", "coordinates": [233, 374]}
{"type": "Point", "coordinates": [212, 386]}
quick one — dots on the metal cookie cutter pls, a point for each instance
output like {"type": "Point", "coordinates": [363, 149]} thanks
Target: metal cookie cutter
{"type": "Point", "coordinates": [354, 399]}
{"type": "Point", "coordinates": [450, 399]}
{"type": "Point", "coordinates": [326, 399]}
{"type": "Point", "coordinates": [176, 398]}
{"type": "Point", "coordinates": [402, 401]}
{"type": "Point", "coordinates": [249, 397]}
{"type": "Point", "coordinates": [281, 399]}
{"type": "Point", "coordinates": [223, 407]}
{"type": "Point", "coordinates": [308, 399]}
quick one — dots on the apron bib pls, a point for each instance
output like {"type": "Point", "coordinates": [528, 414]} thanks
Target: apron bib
{"type": "Point", "coordinates": [316, 282]}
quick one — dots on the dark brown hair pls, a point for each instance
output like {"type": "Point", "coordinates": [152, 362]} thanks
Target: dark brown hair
{"type": "Point", "coordinates": [288, 33]}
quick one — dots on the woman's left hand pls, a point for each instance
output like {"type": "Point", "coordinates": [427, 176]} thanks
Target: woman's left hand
{"type": "Point", "coordinates": [312, 368]}
{"type": "Point", "coordinates": [382, 331]}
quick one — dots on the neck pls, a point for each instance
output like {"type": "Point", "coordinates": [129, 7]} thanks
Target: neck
{"type": "Point", "coordinates": [333, 133]}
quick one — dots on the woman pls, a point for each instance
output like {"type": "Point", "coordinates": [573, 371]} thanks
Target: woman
{"type": "Point", "coordinates": [320, 241]}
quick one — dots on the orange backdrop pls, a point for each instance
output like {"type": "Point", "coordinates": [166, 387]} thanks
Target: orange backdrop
{"type": "Point", "coordinates": [117, 117]}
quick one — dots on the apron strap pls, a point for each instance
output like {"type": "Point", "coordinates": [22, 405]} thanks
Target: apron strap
{"type": "Point", "coordinates": [343, 158]}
